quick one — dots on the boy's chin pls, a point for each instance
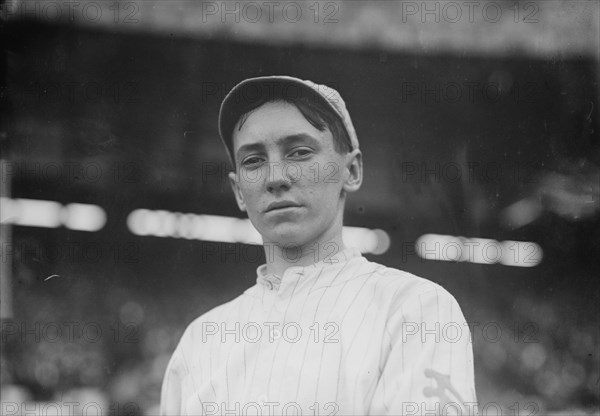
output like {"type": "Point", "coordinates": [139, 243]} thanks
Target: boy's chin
{"type": "Point", "coordinates": [289, 238]}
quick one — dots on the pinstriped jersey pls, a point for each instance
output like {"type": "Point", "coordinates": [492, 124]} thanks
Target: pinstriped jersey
{"type": "Point", "coordinates": [344, 336]}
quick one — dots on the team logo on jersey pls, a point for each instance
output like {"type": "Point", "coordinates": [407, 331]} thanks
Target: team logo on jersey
{"type": "Point", "coordinates": [443, 388]}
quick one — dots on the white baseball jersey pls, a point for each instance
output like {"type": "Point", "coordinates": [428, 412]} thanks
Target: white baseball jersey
{"type": "Point", "coordinates": [344, 336]}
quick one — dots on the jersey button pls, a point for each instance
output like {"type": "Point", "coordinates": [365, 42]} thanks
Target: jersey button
{"type": "Point", "coordinates": [262, 398]}
{"type": "Point", "coordinates": [269, 285]}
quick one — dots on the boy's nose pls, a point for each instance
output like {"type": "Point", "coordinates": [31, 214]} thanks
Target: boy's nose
{"type": "Point", "coordinates": [278, 178]}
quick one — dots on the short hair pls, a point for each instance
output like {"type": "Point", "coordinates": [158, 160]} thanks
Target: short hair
{"type": "Point", "coordinates": [317, 114]}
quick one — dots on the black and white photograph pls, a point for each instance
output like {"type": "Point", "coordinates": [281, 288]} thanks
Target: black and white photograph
{"type": "Point", "coordinates": [300, 207]}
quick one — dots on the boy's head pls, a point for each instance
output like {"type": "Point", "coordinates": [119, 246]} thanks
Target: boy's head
{"type": "Point", "coordinates": [321, 105]}
{"type": "Point", "coordinates": [296, 156]}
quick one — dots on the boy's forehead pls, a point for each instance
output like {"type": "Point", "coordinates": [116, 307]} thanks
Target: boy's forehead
{"type": "Point", "coordinates": [275, 121]}
{"type": "Point", "coordinates": [272, 113]}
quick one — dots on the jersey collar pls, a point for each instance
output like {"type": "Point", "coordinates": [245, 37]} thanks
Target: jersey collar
{"type": "Point", "coordinates": [272, 281]}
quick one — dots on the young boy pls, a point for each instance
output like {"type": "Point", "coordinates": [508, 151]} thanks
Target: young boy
{"type": "Point", "coordinates": [323, 331]}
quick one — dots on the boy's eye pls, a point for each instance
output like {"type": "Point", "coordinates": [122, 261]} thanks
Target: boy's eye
{"type": "Point", "coordinates": [300, 152]}
{"type": "Point", "coordinates": [252, 161]}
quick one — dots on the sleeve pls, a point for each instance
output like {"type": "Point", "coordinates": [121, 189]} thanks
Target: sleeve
{"type": "Point", "coordinates": [427, 359]}
{"type": "Point", "coordinates": [171, 392]}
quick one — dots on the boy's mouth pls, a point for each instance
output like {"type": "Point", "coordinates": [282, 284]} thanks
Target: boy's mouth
{"type": "Point", "coordinates": [279, 205]}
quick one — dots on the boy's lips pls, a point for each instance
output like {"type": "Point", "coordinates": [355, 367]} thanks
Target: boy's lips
{"type": "Point", "coordinates": [277, 205]}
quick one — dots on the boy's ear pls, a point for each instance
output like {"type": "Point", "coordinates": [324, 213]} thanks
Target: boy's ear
{"type": "Point", "coordinates": [233, 181]}
{"type": "Point", "coordinates": [354, 171]}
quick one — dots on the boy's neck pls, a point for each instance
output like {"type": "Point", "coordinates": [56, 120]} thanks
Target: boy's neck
{"type": "Point", "coordinates": [280, 258]}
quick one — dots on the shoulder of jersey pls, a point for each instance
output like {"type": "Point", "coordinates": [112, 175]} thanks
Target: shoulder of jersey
{"type": "Point", "coordinates": [400, 281]}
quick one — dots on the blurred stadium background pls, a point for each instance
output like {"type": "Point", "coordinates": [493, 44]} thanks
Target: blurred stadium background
{"type": "Point", "coordinates": [478, 123]}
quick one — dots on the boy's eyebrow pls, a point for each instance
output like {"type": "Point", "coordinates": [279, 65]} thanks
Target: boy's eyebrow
{"type": "Point", "coordinates": [298, 138]}
{"type": "Point", "coordinates": [292, 138]}
{"type": "Point", "coordinates": [248, 148]}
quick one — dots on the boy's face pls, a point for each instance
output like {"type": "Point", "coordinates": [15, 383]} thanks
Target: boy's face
{"type": "Point", "coordinates": [289, 177]}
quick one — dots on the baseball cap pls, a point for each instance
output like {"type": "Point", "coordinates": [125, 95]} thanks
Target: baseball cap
{"type": "Point", "coordinates": [276, 86]}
